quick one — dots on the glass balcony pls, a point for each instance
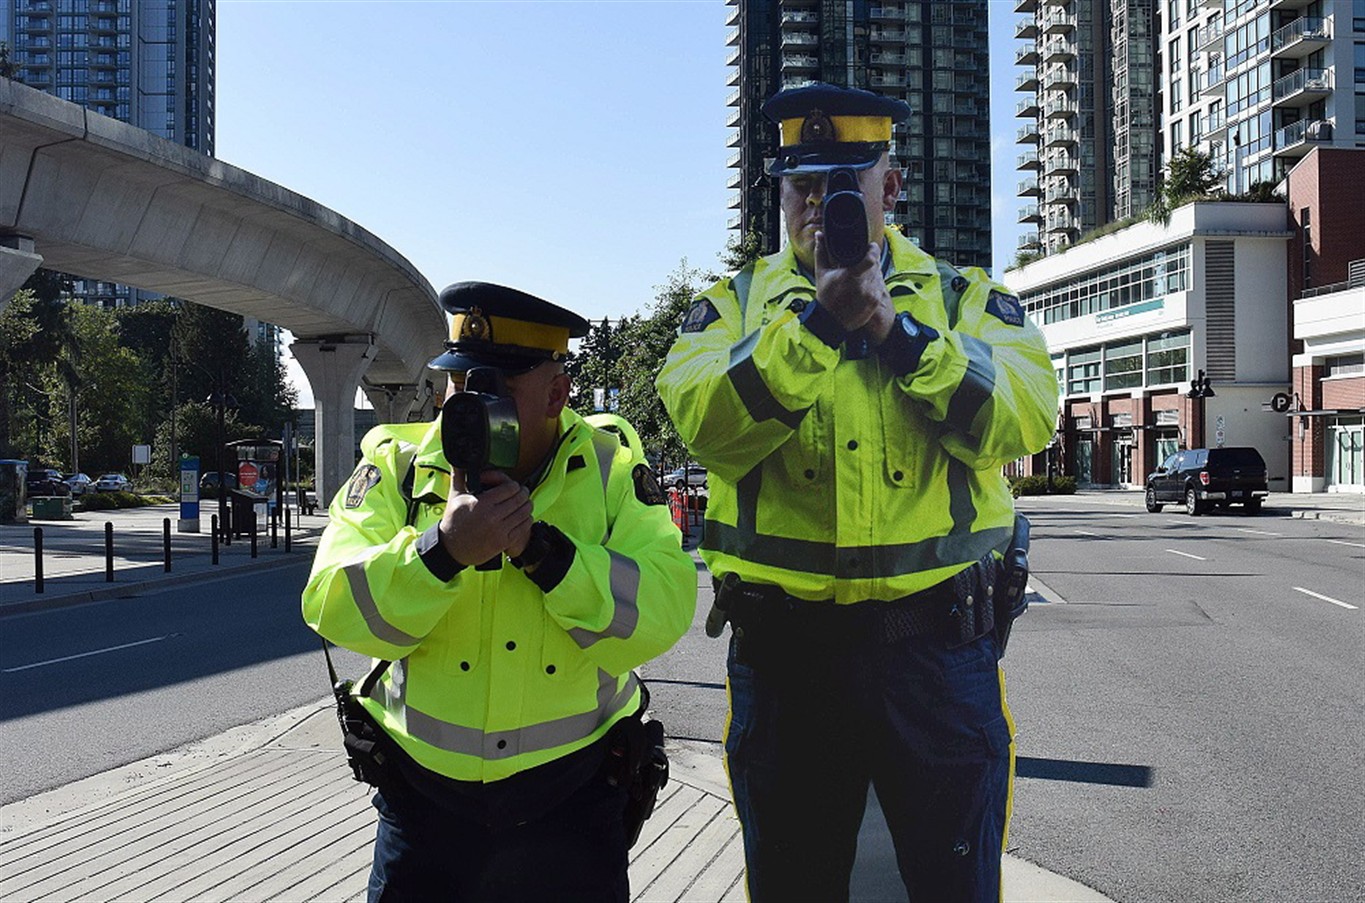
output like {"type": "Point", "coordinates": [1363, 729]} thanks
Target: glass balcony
{"type": "Point", "coordinates": [796, 61]}
{"type": "Point", "coordinates": [799, 17]}
{"type": "Point", "coordinates": [1058, 50]}
{"type": "Point", "coordinates": [1298, 138]}
{"type": "Point", "coordinates": [1025, 6]}
{"type": "Point", "coordinates": [799, 39]}
{"type": "Point", "coordinates": [1026, 82]}
{"type": "Point", "coordinates": [1059, 80]}
{"type": "Point", "coordinates": [1061, 164]}
{"type": "Point", "coordinates": [1026, 56]}
{"type": "Point", "coordinates": [1029, 214]}
{"type": "Point", "coordinates": [733, 99]}
{"type": "Point", "coordinates": [1060, 136]}
{"type": "Point", "coordinates": [887, 58]}
{"type": "Point", "coordinates": [735, 118]}
{"type": "Point", "coordinates": [1301, 88]}
{"type": "Point", "coordinates": [736, 200]}
{"type": "Point", "coordinates": [732, 39]}
{"type": "Point", "coordinates": [1300, 38]}
{"type": "Point", "coordinates": [734, 160]}
{"type": "Point", "coordinates": [887, 36]}
{"type": "Point", "coordinates": [1029, 242]}
{"type": "Point", "coordinates": [886, 13]}
{"type": "Point", "coordinates": [1027, 134]}
{"type": "Point", "coordinates": [1026, 29]}
{"type": "Point", "coordinates": [1028, 188]}
{"type": "Point", "coordinates": [1214, 79]}
{"type": "Point", "coordinates": [887, 80]}
{"type": "Point", "coordinates": [1027, 160]}
{"type": "Point", "coordinates": [1058, 23]}
{"type": "Point", "coordinates": [1027, 107]}
{"type": "Point", "coordinates": [732, 17]}
{"type": "Point", "coordinates": [1209, 34]}
{"type": "Point", "coordinates": [1058, 109]}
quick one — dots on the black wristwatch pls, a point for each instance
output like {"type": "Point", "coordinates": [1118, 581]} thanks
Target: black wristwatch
{"type": "Point", "coordinates": [905, 343]}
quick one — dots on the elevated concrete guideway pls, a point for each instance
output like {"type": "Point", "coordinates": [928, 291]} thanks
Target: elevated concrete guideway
{"type": "Point", "coordinates": [101, 199]}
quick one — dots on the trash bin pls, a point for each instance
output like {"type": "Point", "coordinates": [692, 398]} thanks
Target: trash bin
{"type": "Point", "coordinates": [246, 507]}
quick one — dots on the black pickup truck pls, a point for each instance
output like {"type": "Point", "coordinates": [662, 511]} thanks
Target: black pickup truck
{"type": "Point", "coordinates": [1203, 478]}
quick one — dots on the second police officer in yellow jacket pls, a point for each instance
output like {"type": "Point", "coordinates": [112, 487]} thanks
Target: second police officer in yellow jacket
{"type": "Point", "coordinates": [506, 685]}
{"type": "Point", "coordinates": [854, 420]}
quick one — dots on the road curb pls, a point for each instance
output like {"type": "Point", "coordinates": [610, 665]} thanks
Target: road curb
{"type": "Point", "coordinates": [116, 590]}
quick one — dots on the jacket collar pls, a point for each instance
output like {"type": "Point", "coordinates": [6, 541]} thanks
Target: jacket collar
{"type": "Point", "coordinates": [899, 257]}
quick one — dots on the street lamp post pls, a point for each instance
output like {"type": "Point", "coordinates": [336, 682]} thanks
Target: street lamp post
{"type": "Point", "coordinates": [1200, 389]}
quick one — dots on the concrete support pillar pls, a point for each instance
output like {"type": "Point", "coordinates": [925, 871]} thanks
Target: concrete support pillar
{"type": "Point", "coordinates": [17, 263]}
{"type": "Point", "coordinates": [397, 403]}
{"type": "Point", "coordinates": [334, 369]}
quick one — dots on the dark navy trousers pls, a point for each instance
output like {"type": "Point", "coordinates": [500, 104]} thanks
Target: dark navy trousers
{"type": "Point", "coordinates": [426, 852]}
{"type": "Point", "coordinates": [814, 721]}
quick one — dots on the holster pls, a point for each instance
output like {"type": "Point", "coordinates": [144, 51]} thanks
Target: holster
{"type": "Point", "coordinates": [637, 761]}
{"type": "Point", "coordinates": [1011, 586]}
{"type": "Point", "coordinates": [370, 751]}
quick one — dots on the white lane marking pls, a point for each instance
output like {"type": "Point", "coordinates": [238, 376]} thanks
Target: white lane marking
{"type": "Point", "coordinates": [1261, 532]}
{"type": "Point", "coordinates": [67, 658]}
{"type": "Point", "coordinates": [1084, 533]}
{"type": "Point", "coordinates": [1187, 555]}
{"type": "Point", "coordinates": [1309, 592]}
{"type": "Point", "coordinates": [1342, 542]}
{"type": "Point", "coordinates": [1109, 514]}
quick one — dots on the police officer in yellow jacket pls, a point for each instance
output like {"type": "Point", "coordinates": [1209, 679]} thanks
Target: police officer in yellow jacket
{"type": "Point", "coordinates": [854, 419]}
{"type": "Point", "coordinates": [505, 684]}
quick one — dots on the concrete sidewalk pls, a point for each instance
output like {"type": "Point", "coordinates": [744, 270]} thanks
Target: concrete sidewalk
{"type": "Point", "coordinates": [269, 812]}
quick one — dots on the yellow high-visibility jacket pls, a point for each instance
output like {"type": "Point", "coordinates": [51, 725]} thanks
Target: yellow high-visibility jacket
{"type": "Point", "coordinates": [492, 675]}
{"type": "Point", "coordinates": [832, 477]}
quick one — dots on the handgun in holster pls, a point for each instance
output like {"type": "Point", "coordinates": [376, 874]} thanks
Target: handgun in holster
{"type": "Point", "coordinates": [729, 590]}
{"type": "Point", "coordinates": [1011, 593]}
{"type": "Point", "coordinates": [639, 764]}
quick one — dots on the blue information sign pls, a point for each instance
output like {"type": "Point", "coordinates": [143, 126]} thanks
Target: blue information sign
{"type": "Point", "coordinates": [189, 489]}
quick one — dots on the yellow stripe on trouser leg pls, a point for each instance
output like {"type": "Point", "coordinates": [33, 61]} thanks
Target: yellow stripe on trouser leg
{"type": "Point", "coordinates": [1009, 790]}
{"type": "Point", "coordinates": [729, 780]}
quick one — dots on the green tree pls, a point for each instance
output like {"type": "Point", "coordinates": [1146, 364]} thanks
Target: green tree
{"type": "Point", "coordinates": [741, 250]}
{"type": "Point", "coordinates": [594, 365]}
{"type": "Point", "coordinates": [108, 401]}
{"type": "Point", "coordinates": [197, 435]}
{"type": "Point", "coordinates": [1191, 175]}
{"type": "Point", "coordinates": [39, 342]}
{"type": "Point", "coordinates": [646, 341]}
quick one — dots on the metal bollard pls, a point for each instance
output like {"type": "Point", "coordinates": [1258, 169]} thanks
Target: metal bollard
{"type": "Point", "coordinates": [108, 551]}
{"type": "Point", "coordinates": [166, 542]}
{"type": "Point", "coordinates": [214, 541]}
{"type": "Point", "coordinates": [253, 534]}
{"type": "Point", "coordinates": [274, 528]}
{"type": "Point", "coordinates": [286, 529]}
{"type": "Point", "coordinates": [37, 559]}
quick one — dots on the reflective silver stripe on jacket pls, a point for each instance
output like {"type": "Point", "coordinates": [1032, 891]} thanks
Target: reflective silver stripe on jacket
{"type": "Point", "coordinates": [492, 745]}
{"type": "Point", "coordinates": [854, 562]}
{"type": "Point", "coordinates": [975, 389]}
{"type": "Point", "coordinates": [364, 602]}
{"type": "Point", "coordinates": [625, 593]}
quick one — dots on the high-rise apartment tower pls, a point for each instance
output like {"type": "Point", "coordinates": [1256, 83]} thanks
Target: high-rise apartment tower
{"type": "Point", "coordinates": [930, 53]}
{"type": "Point", "coordinates": [146, 62]}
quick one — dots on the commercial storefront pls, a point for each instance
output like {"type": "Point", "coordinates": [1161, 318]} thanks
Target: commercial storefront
{"type": "Point", "coordinates": [1134, 317]}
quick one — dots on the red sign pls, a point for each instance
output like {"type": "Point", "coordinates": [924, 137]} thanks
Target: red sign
{"type": "Point", "coordinates": [247, 474]}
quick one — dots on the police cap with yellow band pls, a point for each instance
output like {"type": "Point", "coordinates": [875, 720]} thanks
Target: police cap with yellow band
{"type": "Point", "coordinates": [496, 326]}
{"type": "Point", "coordinates": [825, 126]}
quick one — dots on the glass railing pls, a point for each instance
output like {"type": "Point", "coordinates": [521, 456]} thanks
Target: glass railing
{"type": "Point", "coordinates": [1303, 130]}
{"type": "Point", "coordinates": [1303, 27]}
{"type": "Point", "coordinates": [1302, 80]}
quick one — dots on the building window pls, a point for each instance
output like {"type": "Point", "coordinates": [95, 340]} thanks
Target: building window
{"type": "Point", "coordinates": [1083, 372]}
{"type": "Point", "coordinates": [1305, 217]}
{"type": "Point", "coordinates": [1177, 135]}
{"type": "Point", "coordinates": [1344, 365]}
{"type": "Point", "coordinates": [1168, 359]}
{"type": "Point", "coordinates": [1123, 366]}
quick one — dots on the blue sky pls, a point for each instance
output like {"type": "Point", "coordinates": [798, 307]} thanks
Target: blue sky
{"type": "Point", "coordinates": [574, 149]}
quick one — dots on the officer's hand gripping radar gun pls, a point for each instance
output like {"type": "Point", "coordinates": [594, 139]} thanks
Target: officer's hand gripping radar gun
{"type": "Point", "coordinates": [480, 430]}
{"type": "Point", "coordinates": [845, 218]}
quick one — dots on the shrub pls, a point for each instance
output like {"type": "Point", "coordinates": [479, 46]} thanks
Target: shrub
{"type": "Point", "coordinates": [1037, 485]}
{"type": "Point", "coordinates": [105, 501]}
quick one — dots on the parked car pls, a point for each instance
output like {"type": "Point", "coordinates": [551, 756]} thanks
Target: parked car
{"type": "Point", "coordinates": [44, 482]}
{"type": "Point", "coordinates": [692, 475]}
{"type": "Point", "coordinates": [80, 483]}
{"type": "Point", "coordinates": [113, 482]}
{"type": "Point", "coordinates": [1203, 478]}
{"type": "Point", "coordinates": [208, 483]}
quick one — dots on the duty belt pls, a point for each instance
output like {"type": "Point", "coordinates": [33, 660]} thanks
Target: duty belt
{"type": "Point", "coordinates": [958, 609]}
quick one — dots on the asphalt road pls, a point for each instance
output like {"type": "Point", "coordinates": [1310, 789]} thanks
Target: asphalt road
{"type": "Point", "coordinates": [1189, 708]}
{"type": "Point", "coordinates": [88, 688]}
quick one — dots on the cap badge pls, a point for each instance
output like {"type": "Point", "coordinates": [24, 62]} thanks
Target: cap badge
{"type": "Point", "coordinates": [816, 127]}
{"type": "Point", "coordinates": [474, 327]}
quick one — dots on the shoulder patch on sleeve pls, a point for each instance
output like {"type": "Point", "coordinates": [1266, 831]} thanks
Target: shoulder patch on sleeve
{"type": "Point", "coordinates": [1005, 308]}
{"type": "Point", "coordinates": [365, 478]}
{"type": "Point", "coordinates": [647, 488]}
{"type": "Point", "coordinates": [699, 316]}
